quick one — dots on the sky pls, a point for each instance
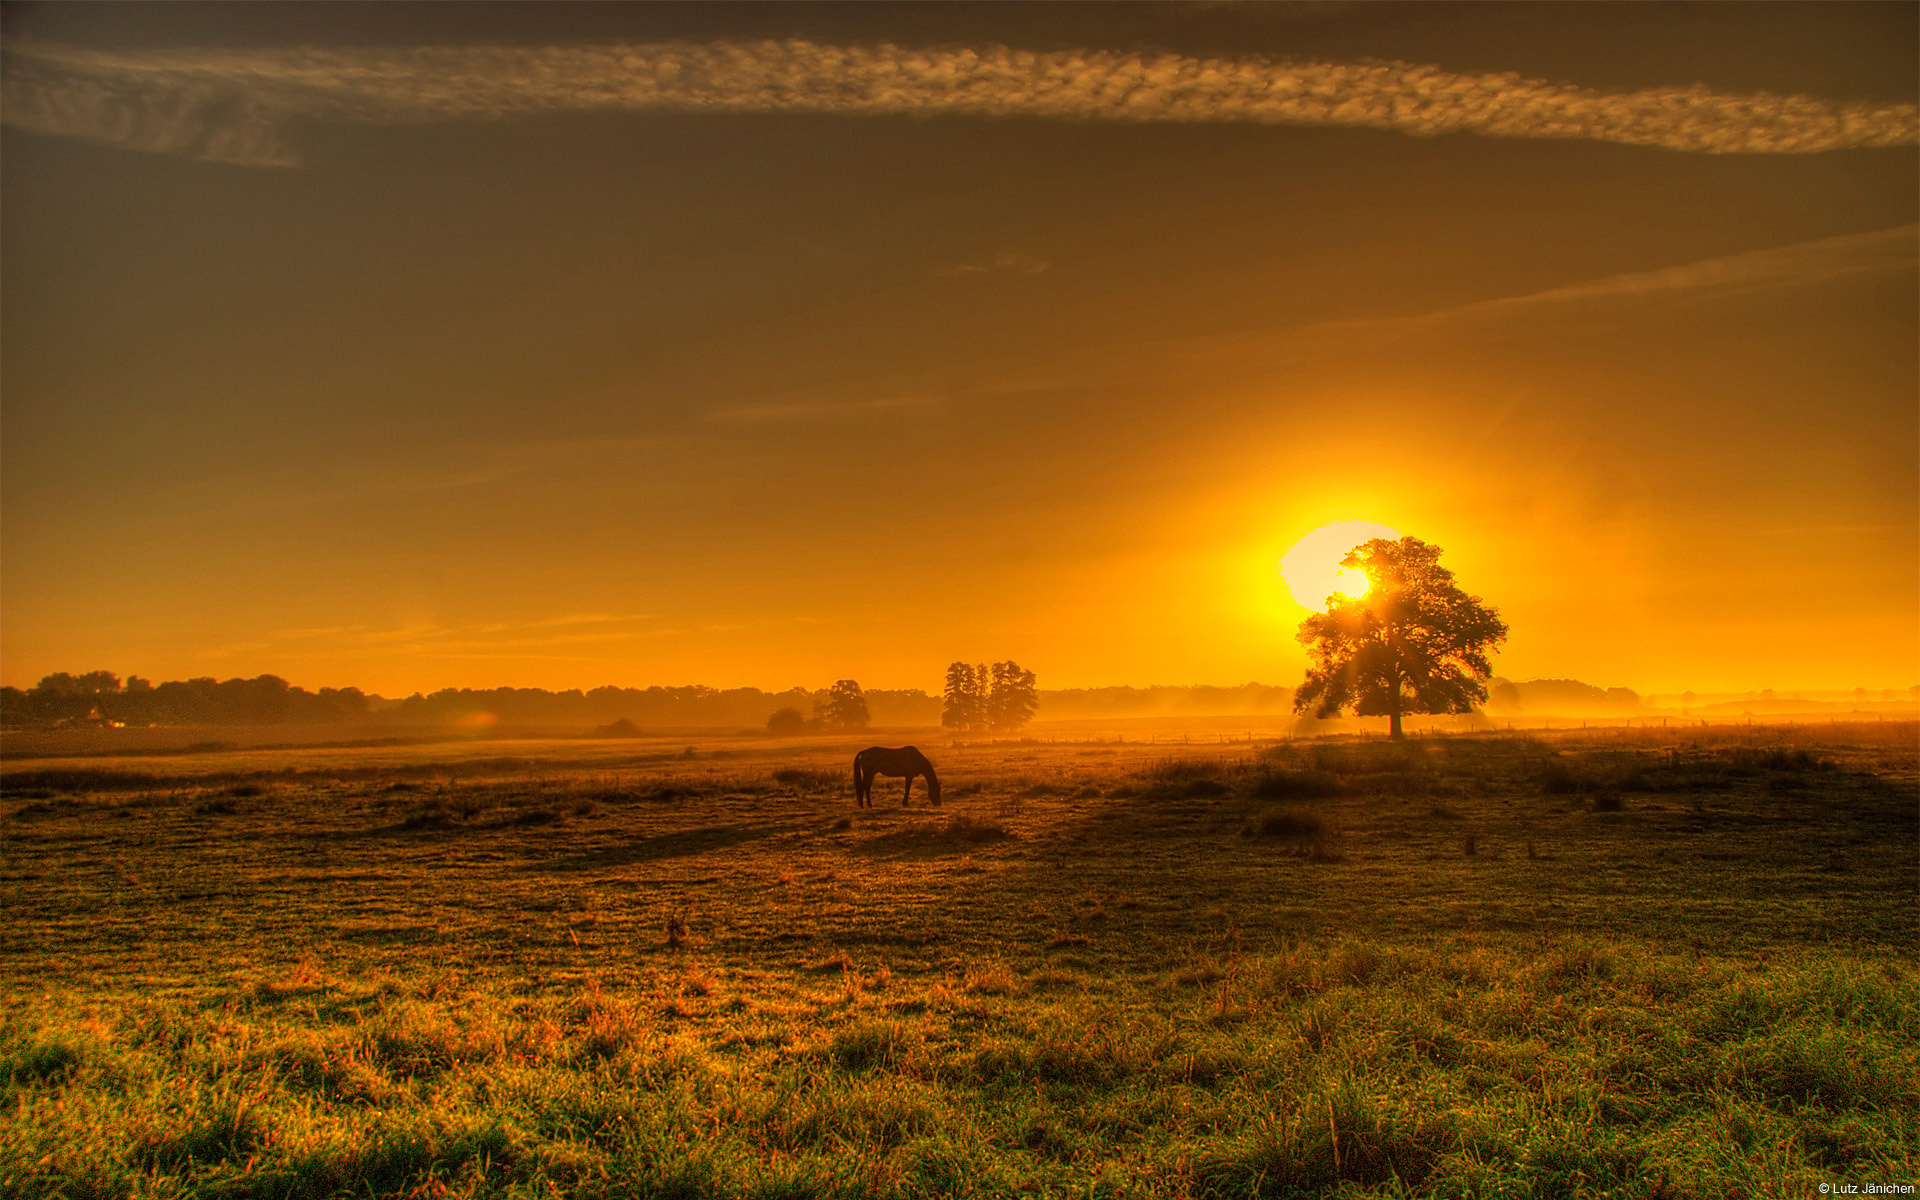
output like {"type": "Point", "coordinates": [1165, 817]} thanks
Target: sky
{"type": "Point", "coordinates": [412, 346]}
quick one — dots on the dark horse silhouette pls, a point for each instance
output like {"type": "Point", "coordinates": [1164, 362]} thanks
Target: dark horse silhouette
{"type": "Point", "coordinates": [880, 760]}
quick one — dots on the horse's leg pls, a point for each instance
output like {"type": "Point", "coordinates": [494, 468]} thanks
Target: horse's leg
{"type": "Point", "coordinates": [906, 794]}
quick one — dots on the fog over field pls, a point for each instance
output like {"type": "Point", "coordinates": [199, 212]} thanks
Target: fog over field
{"type": "Point", "coordinates": [900, 601]}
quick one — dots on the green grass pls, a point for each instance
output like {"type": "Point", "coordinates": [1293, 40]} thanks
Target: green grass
{"type": "Point", "coordinates": [1266, 972]}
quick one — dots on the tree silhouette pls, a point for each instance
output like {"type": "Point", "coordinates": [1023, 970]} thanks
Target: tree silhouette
{"type": "Point", "coordinates": [786, 722]}
{"type": "Point", "coordinates": [1014, 698]}
{"type": "Point", "coordinates": [961, 709]}
{"type": "Point", "coordinates": [1414, 643]}
{"type": "Point", "coordinates": [845, 707]}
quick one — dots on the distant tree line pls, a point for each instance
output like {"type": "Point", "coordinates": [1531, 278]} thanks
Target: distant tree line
{"type": "Point", "coordinates": [1200, 700]}
{"type": "Point", "coordinates": [841, 706]}
{"type": "Point", "coordinates": [977, 699]}
{"type": "Point", "coordinates": [982, 699]}
{"type": "Point", "coordinates": [99, 698]}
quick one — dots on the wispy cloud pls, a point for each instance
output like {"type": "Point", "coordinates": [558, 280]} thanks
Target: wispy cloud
{"type": "Point", "coordinates": [239, 105]}
{"type": "Point", "coordinates": [1011, 262]}
{"type": "Point", "coordinates": [1796, 265]}
{"type": "Point", "coordinates": [818, 411]}
{"type": "Point", "coordinates": [535, 638]}
{"type": "Point", "coordinates": [1780, 266]}
{"type": "Point", "coordinates": [446, 468]}
{"type": "Point", "coordinates": [1878, 252]}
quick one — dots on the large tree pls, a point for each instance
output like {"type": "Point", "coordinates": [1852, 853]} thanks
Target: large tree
{"type": "Point", "coordinates": [1014, 698]}
{"type": "Point", "coordinates": [961, 709]}
{"type": "Point", "coordinates": [1415, 643]}
{"type": "Point", "coordinates": [843, 707]}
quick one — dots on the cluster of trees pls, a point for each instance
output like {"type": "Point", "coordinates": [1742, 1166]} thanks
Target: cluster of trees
{"type": "Point", "coordinates": [842, 707]}
{"type": "Point", "coordinates": [99, 697]}
{"type": "Point", "coordinates": [981, 699]}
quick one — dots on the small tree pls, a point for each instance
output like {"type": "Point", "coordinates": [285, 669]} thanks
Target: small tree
{"type": "Point", "coordinates": [786, 722]}
{"type": "Point", "coordinates": [960, 711]}
{"type": "Point", "coordinates": [1014, 698]}
{"type": "Point", "coordinates": [1414, 643]}
{"type": "Point", "coordinates": [845, 706]}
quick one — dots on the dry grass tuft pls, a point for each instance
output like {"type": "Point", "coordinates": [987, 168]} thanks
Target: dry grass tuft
{"type": "Point", "coordinates": [1289, 822]}
{"type": "Point", "coordinates": [677, 929]}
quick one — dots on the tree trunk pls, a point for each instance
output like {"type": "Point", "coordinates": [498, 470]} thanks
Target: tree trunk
{"type": "Point", "coordinates": [1393, 711]}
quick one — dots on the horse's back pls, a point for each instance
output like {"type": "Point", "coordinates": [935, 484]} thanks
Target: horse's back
{"type": "Point", "coordinates": [890, 760]}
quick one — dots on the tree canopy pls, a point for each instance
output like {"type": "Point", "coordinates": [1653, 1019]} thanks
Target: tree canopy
{"type": "Point", "coordinates": [844, 707]}
{"type": "Point", "coordinates": [1415, 643]}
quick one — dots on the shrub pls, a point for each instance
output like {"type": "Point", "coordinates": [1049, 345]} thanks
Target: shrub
{"type": "Point", "coordinates": [787, 722]}
{"type": "Point", "coordinates": [1200, 789]}
{"type": "Point", "coordinates": [1297, 785]}
{"type": "Point", "coordinates": [1184, 770]}
{"type": "Point", "coordinates": [1561, 777]}
{"type": "Point", "coordinates": [1039, 790]}
{"type": "Point", "coordinates": [1779, 758]}
{"type": "Point", "coordinates": [1291, 822]}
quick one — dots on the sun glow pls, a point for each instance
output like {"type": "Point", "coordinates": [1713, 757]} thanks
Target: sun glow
{"type": "Point", "coordinates": [1312, 567]}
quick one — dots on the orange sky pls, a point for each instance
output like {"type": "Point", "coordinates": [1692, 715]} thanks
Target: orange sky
{"type": "Point", "coordinates": [490, 379]}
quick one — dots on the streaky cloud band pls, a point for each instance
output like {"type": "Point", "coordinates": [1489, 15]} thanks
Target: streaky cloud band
{"type": "Point", "coordinates": [237, 105]}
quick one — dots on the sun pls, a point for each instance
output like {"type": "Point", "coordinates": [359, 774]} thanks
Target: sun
{"type": "Point", "coordinates": [1312, 567]}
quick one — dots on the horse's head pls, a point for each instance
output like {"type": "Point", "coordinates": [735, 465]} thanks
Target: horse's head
{"type": "Point", "coordinates": [933, 787]}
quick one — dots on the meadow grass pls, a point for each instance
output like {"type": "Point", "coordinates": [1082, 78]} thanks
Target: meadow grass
{"type": "Point", "coordinates": [1634, 964]}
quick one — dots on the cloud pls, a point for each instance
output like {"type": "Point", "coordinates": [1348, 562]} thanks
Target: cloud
{"type": "Point", "coordinates": [451, 467]}
{"type": "Point", "coordinates": [818, 411]}
{"type": "Point", "coordinates": [1012, 262]}
{"type": "Point", "coordinates": [1884, 251]}
{"type": "Point", "coordinates": [1780, 266]}
{"type": "Point", "coordinates": [1799, 264]}
{"type": "Point", "coordinates": [536, 636]}
{"type": "Point", "coordinates": [239, 105]}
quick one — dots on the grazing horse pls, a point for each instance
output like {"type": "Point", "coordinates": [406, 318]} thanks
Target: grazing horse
{"type": "Point", "coordinates": [880, 760]}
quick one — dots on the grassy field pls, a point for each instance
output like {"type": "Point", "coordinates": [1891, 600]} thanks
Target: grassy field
{"type": "Point", "coordinates": [1635, 963]}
